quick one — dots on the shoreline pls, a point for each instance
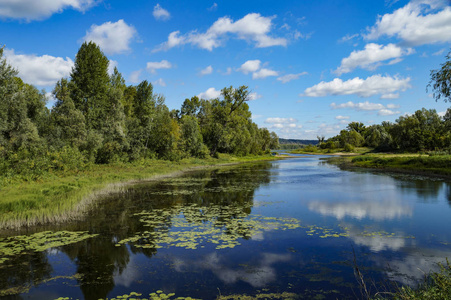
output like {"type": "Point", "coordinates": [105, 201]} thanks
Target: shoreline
{"type": "Point", "coordinates": [73, 204]}
{"type": "Point", "coordinates": [346, 163]}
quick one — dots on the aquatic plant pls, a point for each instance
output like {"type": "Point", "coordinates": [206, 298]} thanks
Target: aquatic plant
{"type": "Point", "coordinates": [38, 242]}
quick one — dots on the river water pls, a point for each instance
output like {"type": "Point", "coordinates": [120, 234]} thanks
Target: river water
{"type": "Point", "coordinates": [291, 228]}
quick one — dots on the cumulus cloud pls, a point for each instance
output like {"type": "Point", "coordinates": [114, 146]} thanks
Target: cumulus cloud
{"type": "Point", "coordinates": [211, 93]}
{"type": "Point", "coordinates": [372, 57]}
{"type": "Point", "coordinates": [153, 66]}
{"type": "Point", "coordinates": [342, 117]}
{"type": "Point", "coordinates": [367, 106]}
{"type": "Point", "coordinates": [42, 70]}
{"type": "Point", "coordinates": [254, 67]}
{"type": "Point", "coordinates": [252, 28]}
{"type": "Point", "coordinates": [112, 64]}
{"type": "Point", "coordinates": [250, 66]}
{"type": "Point", "coordinates": [290, 77]}
{"type": "Point", "coordinates": [207, 70]}
{"type": "Point", "coordinates": [417, 23]}
{"type": "Point", "coordinates": [112, 38]}
{"type": "Point", "coordinates": [263, 73]}
{"type": "Point", "coordinates": [159, 13]}
{"type": "Point", "coordinates": [38, 10]}
{"type": "Point", "coordinates": [374, 85]}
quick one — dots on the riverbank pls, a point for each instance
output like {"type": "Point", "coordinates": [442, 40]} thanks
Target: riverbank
{"type": "Point", "coordinates": [62, 196]}
{"type": "Point", "coordinates": [420, 164]}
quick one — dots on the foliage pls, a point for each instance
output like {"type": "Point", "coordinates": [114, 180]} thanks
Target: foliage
{"type": "Point", "coordinates": [440, 82]}
{"type": "Point", "coordinates": [98, 119]}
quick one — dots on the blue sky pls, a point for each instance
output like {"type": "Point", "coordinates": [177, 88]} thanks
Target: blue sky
{"type": "Point", "coordinates": [311, 66]}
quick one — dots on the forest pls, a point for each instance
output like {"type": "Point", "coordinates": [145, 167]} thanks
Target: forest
{"type": "Point", "coordinates": [98, 119]}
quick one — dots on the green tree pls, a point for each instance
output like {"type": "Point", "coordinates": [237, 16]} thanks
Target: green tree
{"type": "Point", "coordinates": [68, 123]}
{"type": "Point", "coordinates": [192, 140]}
{"type": "Point", "coordinates": [440, 82]}
{"type": "Point", "coordinates": [90, 83]}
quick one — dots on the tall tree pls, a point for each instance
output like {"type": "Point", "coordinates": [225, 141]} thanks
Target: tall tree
{"type": "Point", "coordinates": [90, 83]}
{"type": "Point", "coordinates": [440, 82]}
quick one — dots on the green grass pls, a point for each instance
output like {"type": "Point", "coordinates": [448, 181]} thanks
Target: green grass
{"type": "Point", "coordinates": [432, 165]}
{"type": "Point", "coordinates": [61, 196]}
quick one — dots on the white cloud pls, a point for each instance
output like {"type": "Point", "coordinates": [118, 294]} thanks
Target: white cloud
{"type": "Point", "coordinates": [228, 72]}
{"type": "Point", "coordinates": [342, 117]}
{"type": "Point", "coordinates": [348, 37]}
{"type": "Point", "coordinates": [263, 73]}
{"type": "Point", "coordinates": [252, 28]}
{"type": "Point", "coordinates": [417, 23]}
{"type": "Point", "coordinates": [211, 93]}
{"type": "Point", "coordinates": [112, 64]}
{"type": "Point", "coordinates": [388, 112]}
{"type": "Point", "coordinates": [250, 66]}
{"type": "Point", "coordinates": [367, 106]}
{"type": "Point", "coordinates": [113, 38]}
{"type": "Point", "coordinates": [280, 120]}
{"type": "Point", "coordinates": [372, 57]}
{"type": "Point", "coordinates": [370, 86]}
{"type": "Point", "coordinates": [207, 70]}
{"type": "Point", "coordinates": [213, 7]}
{"type": "Point", "coordinates": [159, 82]}
{"type": "Point", "coordinates": [254, 96]}
{"type": "Point", "coordinates": [134, 76]}
{"type": "Point", "coordinates": [42, 70]}
{"type": "Point", "coordinates": [392, 106]}
{"type": "Point", "coordinates": [160, 13]}
{"type": "Point", "coordinates": [390, 96]}
{"type": "Point", "coordinates": [358, 106]}
{"type": "Point", "coordinates": [153, 66]}
{"type": "Point", "coordinates": [38, 10]}
{"type": "Point", "coordinates": [439, 52]}
{"type": "Point", "coordinates": [290, 77]}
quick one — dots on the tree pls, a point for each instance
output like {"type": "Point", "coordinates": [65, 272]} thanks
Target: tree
{"type": "Point", "coordinates": [192, 140]}
{"type": "Point", "coordinates": [440, 82]}
{"type": "Point", "coordinates": [223, 121]}
{"type": "Point", "coordinates": [90, 83]}
{"type": "Point", "coordinates": [69, 126]}
{"type": "Point", "coordinates": [357, 126]}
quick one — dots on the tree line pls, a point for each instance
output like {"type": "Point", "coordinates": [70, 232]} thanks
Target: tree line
{"type": "Point", "coordinates": [97, 118]}
{"type": "Point", "coordinates": [421, 131]}
{"type": "Point", "coordinates": [424, 130]}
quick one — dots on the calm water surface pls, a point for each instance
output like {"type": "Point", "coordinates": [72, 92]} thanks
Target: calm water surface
{"type": "Point", "coordinates": [288, 226]}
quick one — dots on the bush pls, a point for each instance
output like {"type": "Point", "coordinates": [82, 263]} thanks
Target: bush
{"type": "Point", "coordinates": [349, 148]}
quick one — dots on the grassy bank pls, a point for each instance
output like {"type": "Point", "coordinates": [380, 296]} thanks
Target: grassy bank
{"type": "Point", "coordinates": [434, 165]}
{"type": "Point", "coordinates": [63, 196]}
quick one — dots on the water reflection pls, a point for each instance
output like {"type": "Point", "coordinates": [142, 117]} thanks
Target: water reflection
{"type": "Point", "coordinates": [258, 275]}
{"type": "Point", "coordinates": [378, 210]}
{"type": "Point", "coordinates": [99, 264]}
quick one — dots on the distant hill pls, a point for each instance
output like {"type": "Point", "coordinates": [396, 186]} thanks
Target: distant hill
{"type": "Point", "coordinates": [299, 142]}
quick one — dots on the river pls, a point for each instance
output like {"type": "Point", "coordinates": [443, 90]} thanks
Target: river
{"type": "Point", "coordinates": [296, 227]}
